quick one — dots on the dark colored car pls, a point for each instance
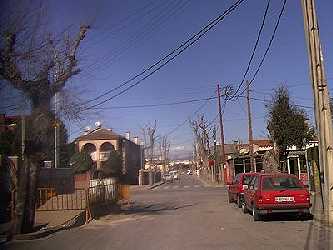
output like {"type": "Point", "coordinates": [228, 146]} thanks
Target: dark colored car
{"type": "Point", "coordinates": [236, 188]}
{"type": "Point", "coordinates": [276, 193]}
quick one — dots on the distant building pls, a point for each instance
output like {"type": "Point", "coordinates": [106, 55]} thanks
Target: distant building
{"type": "Point", "coordinates": [101, 141]}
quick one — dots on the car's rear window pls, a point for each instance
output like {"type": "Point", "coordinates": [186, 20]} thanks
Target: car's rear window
{"type": "Point", "coordinates": [280, 183]}
{"type": "Point", "coordinates": [247, 179]}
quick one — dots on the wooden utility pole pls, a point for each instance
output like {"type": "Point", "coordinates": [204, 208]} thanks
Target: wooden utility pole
{"type": "Point", "coordinates": [222, 133]}
{"type": "Point", "coordinates": [321, 103]}
{"type": "Point", "coordinates": [253, 169]}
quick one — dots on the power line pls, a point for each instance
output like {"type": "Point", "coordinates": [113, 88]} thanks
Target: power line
{"type": "Point", "coordinates": [155, 22]}
{"type": "Point", "coordinates": [269, 44]}
{"type": "Point", "coordinates": [188, 119]}
{"type": "Point", "coordinates": [157, 104]}
{"type": "Point", "coordinates": [255, 46]}
{"type": "Point", "coordinates": [265, 54]}
{"type": "Point", "coordinates": [181, 48]}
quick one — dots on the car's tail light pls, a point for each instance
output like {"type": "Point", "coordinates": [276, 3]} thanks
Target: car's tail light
{"type": "Point", "coordinates": [260, 199]}
{"type": "Point", "coordinates": [308, 197]}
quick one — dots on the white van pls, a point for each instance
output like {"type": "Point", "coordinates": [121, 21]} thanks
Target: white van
{"type": "Point", "coordinates": [175, 175]}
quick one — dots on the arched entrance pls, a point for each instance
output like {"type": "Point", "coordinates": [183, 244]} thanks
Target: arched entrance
{"type": "Point", "coordinates": [105, 149]}
{"type": "Point", "coordinates": [90, 149]}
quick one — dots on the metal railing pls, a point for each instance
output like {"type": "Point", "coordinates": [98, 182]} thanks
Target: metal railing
{"type": "Point", "coordinates": [80, 199]}
{"type": "Point", "coordinates": [49, 200]}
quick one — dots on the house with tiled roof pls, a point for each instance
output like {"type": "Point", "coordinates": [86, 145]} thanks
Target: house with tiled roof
{"type": "Point", "coordinates": [100, 142]}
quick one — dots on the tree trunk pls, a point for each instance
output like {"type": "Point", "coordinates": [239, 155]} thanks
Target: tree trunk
{"type": "Point", "coordinates": [30, 203]}
{"type": "Point", "coordinates": [21, 194]}
{"type": "Point", "coordinates": [29, 171]}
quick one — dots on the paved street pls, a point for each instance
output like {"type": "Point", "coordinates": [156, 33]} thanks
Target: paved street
{"type": "Point", "coordinates": [185, 215]}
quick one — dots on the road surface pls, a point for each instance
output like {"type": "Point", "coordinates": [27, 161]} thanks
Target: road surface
{"type": "Point", "coordinates": [185, 215]}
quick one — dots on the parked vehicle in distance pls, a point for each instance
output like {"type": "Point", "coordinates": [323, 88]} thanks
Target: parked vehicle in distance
{"type": "Point", "coordinates": [168, 178]}
{"type": "Point", "coordinates": [236, 188]}
{"type": "Point", "coordinates": [189, 172]}
{"type": "Point", "coordinates": [174, 174]}
{"type": "Point", "coordinates": [276, 193]}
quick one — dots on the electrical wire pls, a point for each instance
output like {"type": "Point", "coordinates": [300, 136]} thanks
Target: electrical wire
{"type": "Point", "coordinates": [267, 49]}
{"type": "Point", "coordinates": [254, 48]}
{"type": "Point", "coordinates": [181, 48]}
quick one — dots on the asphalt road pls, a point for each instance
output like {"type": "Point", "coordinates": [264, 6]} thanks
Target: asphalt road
{"type": "Point", "coordinates": [185, 215]}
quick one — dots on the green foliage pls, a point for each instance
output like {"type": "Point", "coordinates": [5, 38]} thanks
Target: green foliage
{"type": "Point", "coordinates": [113, 166]}
{"type": "Point", "coordinates": [81, 162]}
{"type": "Point", "coordinates": [9, 142]}
{"type": "Point", "coordinates": [287, 123]}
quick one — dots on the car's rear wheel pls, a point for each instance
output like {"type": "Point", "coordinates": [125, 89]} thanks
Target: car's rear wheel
{"type": "Point", "coordinates": [244, 208]}
{"type": "Point", "coordinates": [255, 214]}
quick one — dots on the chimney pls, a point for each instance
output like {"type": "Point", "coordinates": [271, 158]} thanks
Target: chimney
{"type": "Point", "coordinates": [136, 140]}
{"type": "Point", "coordinates": [128, 135]}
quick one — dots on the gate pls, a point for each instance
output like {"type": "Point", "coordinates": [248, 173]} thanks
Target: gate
{"type": "Point", "coordinates": [80, 199]}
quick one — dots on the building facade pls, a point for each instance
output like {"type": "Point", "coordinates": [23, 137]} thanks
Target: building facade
{"type": "Point", "coordinates": [100, 142]}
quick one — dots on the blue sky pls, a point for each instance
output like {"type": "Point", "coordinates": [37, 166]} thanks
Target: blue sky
{"type": "Point", "coordinates": [128, 35]}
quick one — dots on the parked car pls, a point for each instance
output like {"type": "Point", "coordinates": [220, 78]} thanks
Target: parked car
{"type": "Point", "coordinates": [174, 174]}
{"type": "Point", "coordinates": [276, 193]}
{"type": "Point", "coordinates": [168, 178]}
{"type": "Point", "coordinates": [236, 188]}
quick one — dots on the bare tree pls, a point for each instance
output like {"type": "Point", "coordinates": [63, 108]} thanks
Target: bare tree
{"type": "Point", "coordinates": [37, 63]}
{"type": "Point", "coordinates": [164, 150]}
{"type": "Point", "coordinates": [149, 136]}
{"type": "Point", "coordinates": [202, 137]}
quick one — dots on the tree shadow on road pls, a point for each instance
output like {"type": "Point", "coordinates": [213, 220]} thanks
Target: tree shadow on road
{"type": "Point", "coordinates": [153, 209]}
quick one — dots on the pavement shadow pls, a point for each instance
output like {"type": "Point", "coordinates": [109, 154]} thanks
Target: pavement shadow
{"type": "Point", "coordinates": [287, 217]}
{"type": "Point", "coordinates": [318, 233]}
{"type": "Point", "coordinates": [153, 209]}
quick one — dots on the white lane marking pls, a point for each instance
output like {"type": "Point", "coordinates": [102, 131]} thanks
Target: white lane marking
{"type": "Point", "coordinates": [174, 187]}
{"type": "Point", "coordinates": [166, 187]}
{"type": "Point", "coordinates": [196, 186]}
{"type": "Point", "coordinates": [186, 186]}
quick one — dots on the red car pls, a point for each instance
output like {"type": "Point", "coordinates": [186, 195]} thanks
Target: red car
{"type": "Point", "coordinates": [276, 193]}
{"type": "Point", "coordinates": [236, 188]}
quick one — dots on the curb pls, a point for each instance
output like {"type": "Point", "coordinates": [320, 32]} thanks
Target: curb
{"type": "Point", "coordinates": [51, 230]}
{"type": "Point", "coordinates": [38, 234]}
{"type": "Point", "coordinates": [156, 185]}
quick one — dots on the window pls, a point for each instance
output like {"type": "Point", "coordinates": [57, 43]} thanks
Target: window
{"type": "Point", "coordinates": [280, 183]}
{"type": "Point", "coordinates": [247, 179]}
{"type": "Point", "coordinates": [255, 182]}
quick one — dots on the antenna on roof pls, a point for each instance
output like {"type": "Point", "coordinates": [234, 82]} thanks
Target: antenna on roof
{"type": "Point", "coordinates": [98, 124]}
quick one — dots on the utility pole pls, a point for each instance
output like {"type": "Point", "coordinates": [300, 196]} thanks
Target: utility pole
{"type": "Point", "coordinates": [253, 169]}
{"type": "Point", "coordinates": [56, 133]}
{"type": "Point", "coordinates": [321, 103]}
{"type": "Point", "coordinates": [22, 137]}
{"type": "Point", "coordinates": [215, 158]}
{"type": "Point", "coordinates": [221, 133]}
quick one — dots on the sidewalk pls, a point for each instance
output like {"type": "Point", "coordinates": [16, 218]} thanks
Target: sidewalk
{"type": "Point", "coordinates": [145, 187]}
{"type": "Point", "coordinates": [208, 183]}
